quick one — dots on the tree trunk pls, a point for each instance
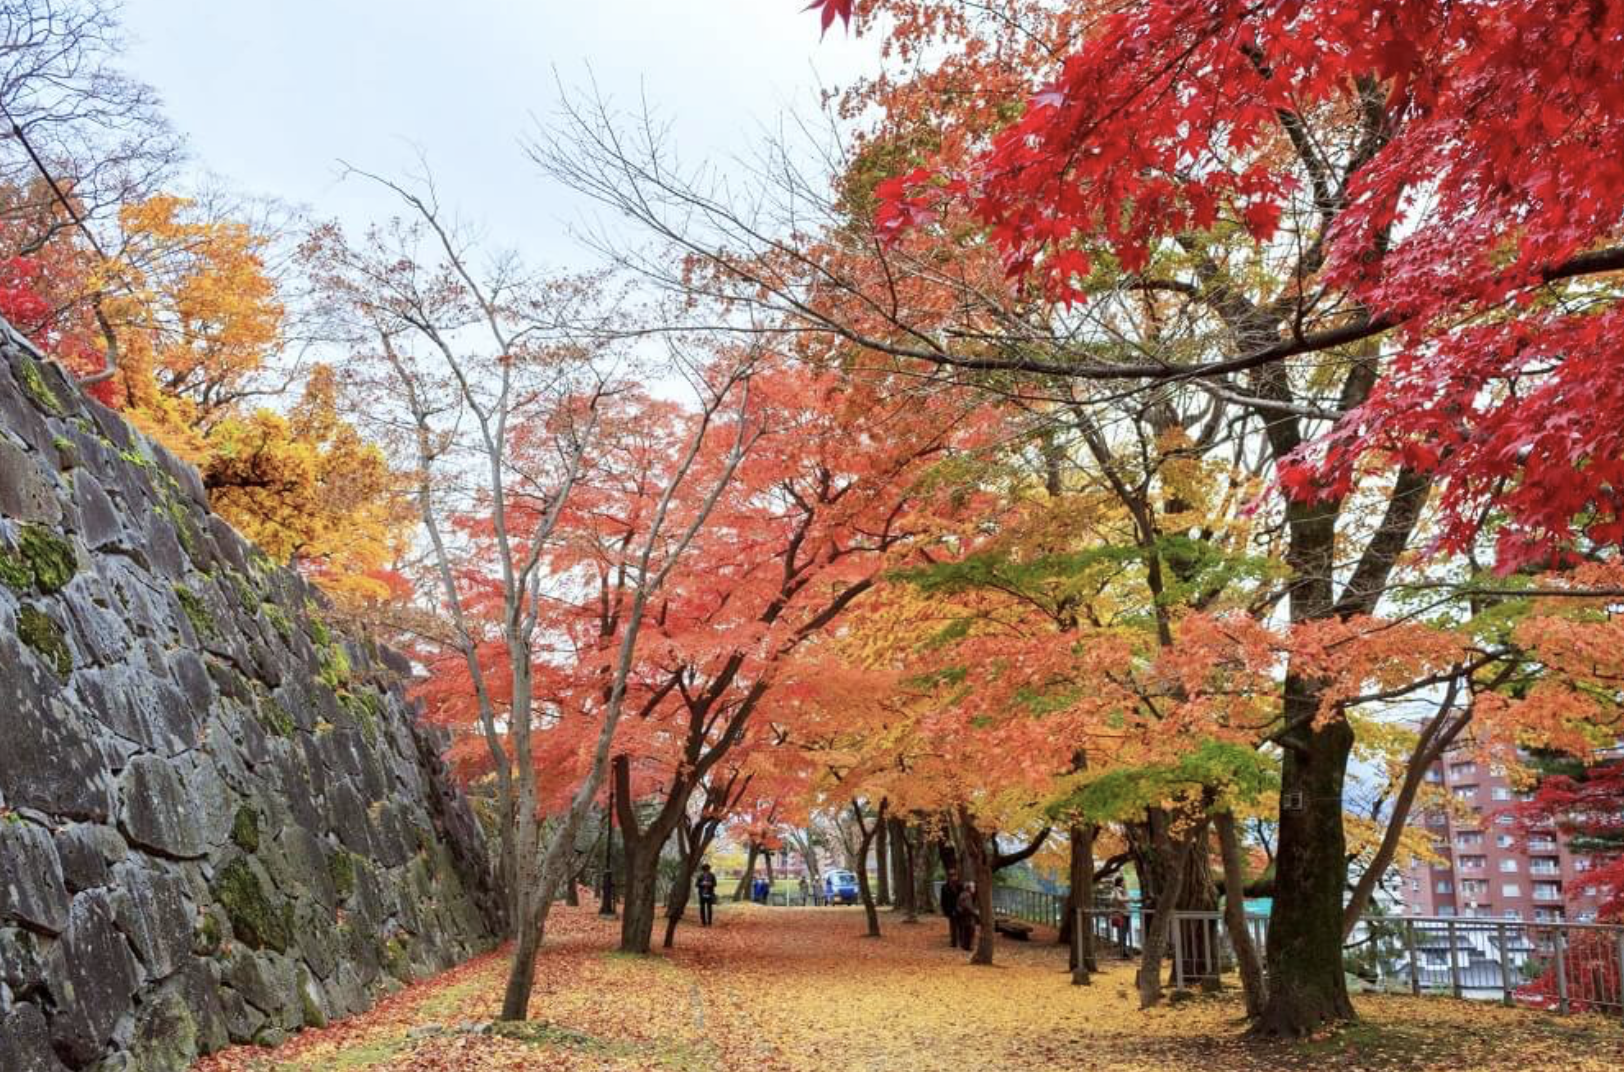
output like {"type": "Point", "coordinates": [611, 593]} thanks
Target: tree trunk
{"type": "Point", "coordinates": [979, 859]}
{"type": "Point", "coordinates": [677, 905]}
{"type": "Point", "coordinates": [1159, 927]}
{"type": "Point", "coordinates": [1253, 983]}
{"type": "Point", "coordinates": [637, 914]}
{"type": "Point", "coordinates": [1307, 987]}
{"type": "Point", "coordinates": [809, 853]}
{"type": "Point", "coordinates": [868, 833]}
{"type": "Point", "coordinates": [521, 976]}
{"type": "Point", "coordinates": [1081, 940]}
{"type": "Point", "coordinates": [1199, 893]}
{"type": "Point", "coordinates": [742, 890]}
{"type": "Point", "coordinates": [882, 864]}
{"type": "Point", "coordinates": [901, 880]}
{"type": "Point", "coordinates": [572, 895]}
{"type": "Point", "coordinates": [527, 924]}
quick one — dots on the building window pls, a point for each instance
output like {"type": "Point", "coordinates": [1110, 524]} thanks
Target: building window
{"type": "Point", "coordinates": [1473, 863]}
{"type": "Point", "coordinates": [1510, 889]}
{"type": "Point", "coordinates": [1465, 792]}
{"type": "Point", "coordinates": [1469, 839]}
{"type": "Point", "coordinates": [1511, 913]}
{"type": "Point", "coordinates": [1415, 885]}
{"type": "Point", "coordinates": [1504, 841]}
{"type": "Point", "coordinates": [1508, 864]}
{"type": "Point", "coordinates": [1501, 792]}
{"type": "Point", "coordinates": [1444, 886]}
{"type": "Point", "coordinates": [1581, 863]}
{"type": "Point", "coordinates": [1474, 887]}
{"type": "Point", "coordinates": [1446, 910]}
{"type": "Point", "coordinates": [1548, 891]}
{"type": "Point", "coordinates": [1504, 819]}
{"type": "Point", "coordinates": [1462, 770]}
{"type": "Point", "coordinates": [1544, 865]}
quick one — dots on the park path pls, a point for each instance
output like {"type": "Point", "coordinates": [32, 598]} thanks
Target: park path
{"type": "Point", "coordinates": [786, 990]}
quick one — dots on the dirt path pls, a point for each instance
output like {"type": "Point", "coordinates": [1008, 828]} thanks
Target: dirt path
{"type": "Point", "coordinates": [797, 989]}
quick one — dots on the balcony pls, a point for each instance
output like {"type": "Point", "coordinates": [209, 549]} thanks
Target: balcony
{"type": "Point", "coordinates": [1547, 891]}
{"type": "Point", "coordinates": [1544, 867]}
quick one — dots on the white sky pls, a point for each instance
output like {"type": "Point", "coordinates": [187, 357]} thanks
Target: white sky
{"type": "Point", "coordinates": [271, 94]}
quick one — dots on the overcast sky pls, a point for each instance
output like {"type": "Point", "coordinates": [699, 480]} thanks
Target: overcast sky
{"type": "Point", "coordinates": [270, 95]}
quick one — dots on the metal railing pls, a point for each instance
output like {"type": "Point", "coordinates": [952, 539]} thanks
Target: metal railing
{"type": "Point", "coordinates": [1561, 966]}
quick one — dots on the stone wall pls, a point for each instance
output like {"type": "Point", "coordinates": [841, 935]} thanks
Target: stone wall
{"type": "Point", "coordinates": [219, 819]}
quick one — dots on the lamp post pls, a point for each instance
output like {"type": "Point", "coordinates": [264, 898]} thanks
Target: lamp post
{"type": "Point", "coordinates": [607, 908]}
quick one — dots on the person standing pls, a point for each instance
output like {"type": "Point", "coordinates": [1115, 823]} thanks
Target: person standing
{"type": "Point", "coordinates": [804, 887]}
{"type": "Point", "coordinates": [1120, 922]}
{"type": "Point", "coordinates": [951, 888]}
{"type": "Point", "coordinates": [967, 914]}
{"type": "Point", "coordinates": [706, 885]}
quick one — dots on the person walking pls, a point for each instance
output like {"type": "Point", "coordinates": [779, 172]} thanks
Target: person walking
{"type": "Point", "coordinates": [1119, 915]}
{"type": "Point", "coordinates": [951, 888]}
{"type": "Point", "coordinates": [804, 888]}
{"type": "Point", "coordinates": [706, 885]}
{"type": "Point", "coordinates": [968, 911]}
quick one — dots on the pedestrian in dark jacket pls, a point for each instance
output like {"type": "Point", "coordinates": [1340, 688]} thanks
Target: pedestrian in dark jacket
{"type": "Point", "coordinates": [968, 915]}
{"type": "Point", "coordinates": [950, 904]}
{"type": "Point", "coordinates": [706, 885]}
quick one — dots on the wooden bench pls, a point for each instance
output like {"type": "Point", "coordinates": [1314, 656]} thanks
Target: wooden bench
{"type": "Point", "coordinates": [1012, 927]}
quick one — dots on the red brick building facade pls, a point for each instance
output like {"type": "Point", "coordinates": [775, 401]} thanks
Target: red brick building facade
{"type": "Point", "coordinates": [1489, 868]}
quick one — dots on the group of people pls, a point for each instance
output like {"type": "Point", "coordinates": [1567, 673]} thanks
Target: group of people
{"type": "Point", "coordinates": [964, 914]}
{"type": "Point", "coordinates": [958, 900]}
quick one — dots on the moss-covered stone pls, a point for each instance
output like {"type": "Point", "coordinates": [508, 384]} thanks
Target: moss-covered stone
{"type": "Point", "coordinates": [365, 707]}
{"type": "Point", "coordinates": [341, 865]}
{"type": "Point", "coordinates": [256, 921]}
{"type": "Point", "coordinates": [275, 718]}
{"type": "Point", "coordinates": [312, 1014]}
{"type": "Point", "coordinates": [335, 666]}
{"type": "Point", "coordinates": [245, 829]}
{"type": "Point", "coordinates": [279, 621]}
{"type": "Point", "coordinates": [14, 574]}
{"type": "Point", "coordinates": [247, 595]}
{"type": "Point", "coordinates": [34, 384]}
{"type": "Point", "coordinates": [207, 939]}
{"type": "Point", "coordinates": [192, 605]}
{"type": "Point", "coordinates": [36, 629]}
{"type": "Point", "coordinates": [41, 560]}
{"type": "Point", "coordinates": [395, 960]}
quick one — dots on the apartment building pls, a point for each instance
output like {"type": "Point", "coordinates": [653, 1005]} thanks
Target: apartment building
{"type": "Point", "coordinates": [1489, 869]}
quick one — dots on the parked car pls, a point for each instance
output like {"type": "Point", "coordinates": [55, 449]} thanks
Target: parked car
{"type": "Point", "coordinates": [839, 887]}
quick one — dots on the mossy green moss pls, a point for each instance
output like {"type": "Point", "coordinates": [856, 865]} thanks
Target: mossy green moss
{"type": "Point", "coordinates": [365, 707]}
{"type": "Point", "coordinates": [195, 610]}
{"type": "Point", "coordinates": [335, 666]}
{"type": "Point", "coordinates": [245, 829]}
{"type": "Point", "coordinates": [275, 718]}
{"type": "Point", "coordinates": [206, 942]}
{"type": "Point", "coordinates": [14, 574]}
{"type": "Point", "coordinates": [36, 629]}
{"type": "Point", "coordinates": [313, 1016]}
{"type": "Point", "coordinates": [341, 865]}
{"type": "Point", "coordinates": [255, 920]}
{"type": "Point", "coordinates": [38, 390]}
{"type": "Point", "coordinates": [42, 560]}
{"type": "Point", "coordinates": [279, 621]}
{"type": "Point", "coordinates": [395, 960]}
